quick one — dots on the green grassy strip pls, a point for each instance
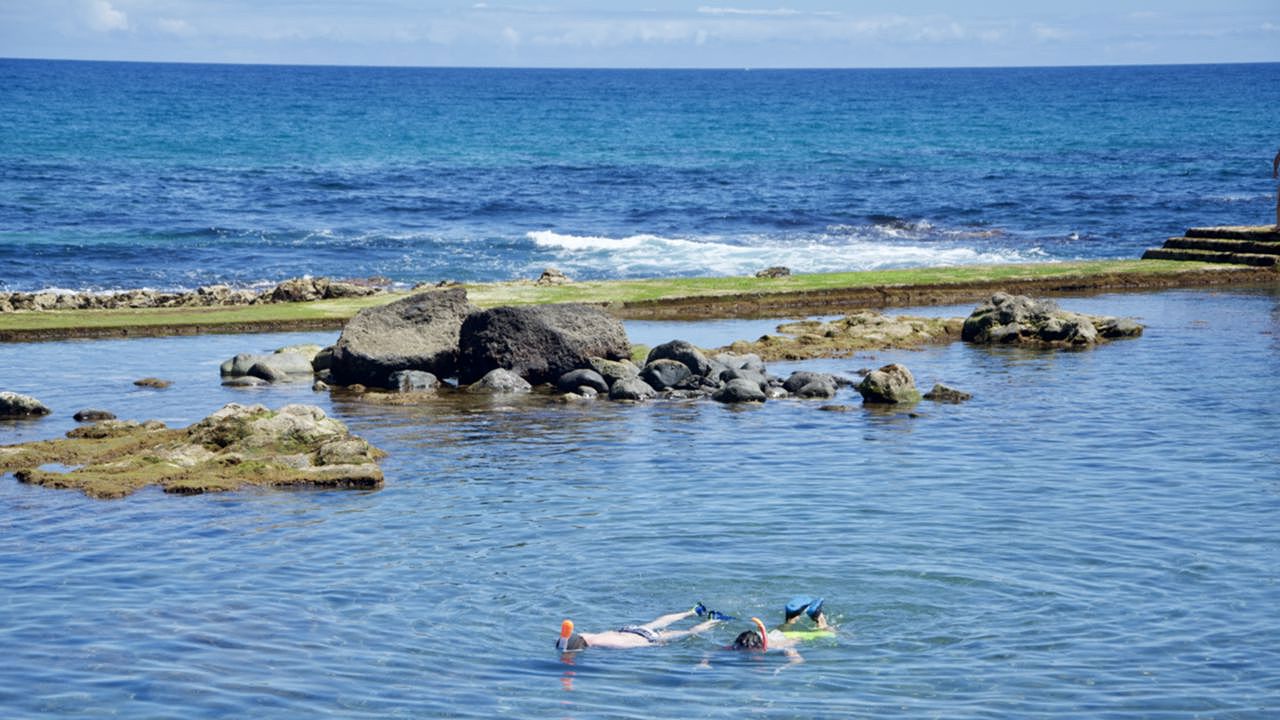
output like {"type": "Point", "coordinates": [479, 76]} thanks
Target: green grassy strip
{"type": "Point", "coordinates": [615, 291]}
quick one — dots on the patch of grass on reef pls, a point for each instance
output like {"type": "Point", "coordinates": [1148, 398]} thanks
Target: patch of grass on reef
{"type": "Point", "coordinates": [628, 291]}
{"type": "Point", "coordinates": [333, 313]}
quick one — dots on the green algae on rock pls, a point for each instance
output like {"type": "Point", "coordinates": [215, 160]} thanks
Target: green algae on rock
{"type": "Point", "coordinates": [236, 447]}
{"type": "Point", "coordinates": [865, 330]}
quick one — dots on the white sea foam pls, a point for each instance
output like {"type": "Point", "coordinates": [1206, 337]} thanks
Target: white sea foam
{"type": "Point", "coordinates": [871, 248]}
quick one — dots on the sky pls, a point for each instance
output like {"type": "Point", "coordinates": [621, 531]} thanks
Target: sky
{"type": "Point", "coordinates": [646, 33]}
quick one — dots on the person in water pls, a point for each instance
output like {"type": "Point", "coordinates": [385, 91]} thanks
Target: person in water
{"type": "Point", "coordinates": [654, 632]}
{"type": "Point", "coordinates": [786, 636]}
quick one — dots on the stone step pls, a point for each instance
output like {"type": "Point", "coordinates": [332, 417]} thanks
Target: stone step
{"type": "Point", "coordinates": [1262, 233]}
{"type": "Point", "coordinates": [1224, 245]}
{"type": "Point", "coordinates": [1212, 256]}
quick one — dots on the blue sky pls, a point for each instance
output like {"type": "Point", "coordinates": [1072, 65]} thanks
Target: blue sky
{"type": "Point", "coordinates": [646, 33]}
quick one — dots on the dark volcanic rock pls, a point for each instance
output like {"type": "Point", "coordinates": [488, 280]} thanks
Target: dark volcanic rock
{"type": "Point", "coordinates": [631, 389]}
{"type": "Point", "coordinates": [890, 384]}
{"type": "Point", "coordinates": [683, 352]}
{"type": "Point", "coordinates": [419, 332]}
{"type": "Point", "coordinates": [943, 393]}
{"type": "Point", "coordinates": [739, 390]}
{"type": "Point", "coordinates": [540, 343]}
{"type": "Point", "coordinates": [574, 379]}
{"type": "Point", "coordinates": [15, 405]}
{"type": "Point", "coordinates": [665, 373]}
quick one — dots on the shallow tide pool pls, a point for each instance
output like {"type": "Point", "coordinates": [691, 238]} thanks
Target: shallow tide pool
{"type": "Point", "coordinates": [1095, 534]}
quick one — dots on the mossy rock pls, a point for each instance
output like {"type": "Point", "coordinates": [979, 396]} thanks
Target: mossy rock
{"type": "Point", "coordinates": [236, 447]}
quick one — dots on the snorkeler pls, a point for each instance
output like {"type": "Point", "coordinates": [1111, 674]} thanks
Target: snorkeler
{"type": "Point", "coordinates": [632, 636]}
{"type": "Point", "coordinates": [786, 636]}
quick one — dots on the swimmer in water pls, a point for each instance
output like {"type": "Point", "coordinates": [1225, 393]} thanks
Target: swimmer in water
{"type": "Point", "coordinates": [654, 632]}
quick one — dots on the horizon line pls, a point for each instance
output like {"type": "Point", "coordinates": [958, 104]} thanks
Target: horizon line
{"type": "Point", "coordinates": [716, 68]}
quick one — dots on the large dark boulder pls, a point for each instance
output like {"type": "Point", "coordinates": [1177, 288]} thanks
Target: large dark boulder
{"type": "Point", "coordinates": [540, 343]}
{"type": "Point", "coordinates": [419, 332]}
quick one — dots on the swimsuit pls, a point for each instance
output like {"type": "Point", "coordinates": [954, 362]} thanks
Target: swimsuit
{"type": "Point", "coordinates": [652, 636]}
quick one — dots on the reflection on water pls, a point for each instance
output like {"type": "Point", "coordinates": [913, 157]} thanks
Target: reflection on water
{"type": "Point", "coordinates": [1094, 534]}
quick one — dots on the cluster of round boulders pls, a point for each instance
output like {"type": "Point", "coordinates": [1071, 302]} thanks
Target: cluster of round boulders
{"type": "Point", "coordinates": [287, 364]}
{"type": "Point", "coordinates": [1018, 319]}
{"type": "Point", "coordinates": [680, 370]}
{"type": "Point", "coordinates": [302, 289]}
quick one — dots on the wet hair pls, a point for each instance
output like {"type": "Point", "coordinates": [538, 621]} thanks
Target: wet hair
{"type": "Point", "coordinates": [748, 640]}
{"type": "Point", "coordinates": [576, 642]}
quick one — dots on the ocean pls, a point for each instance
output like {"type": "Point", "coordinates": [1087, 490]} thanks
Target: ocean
{"type": "Point", "coordinates": [1093, 535]}
{"type": "Point", "coordinates": [171, 176]}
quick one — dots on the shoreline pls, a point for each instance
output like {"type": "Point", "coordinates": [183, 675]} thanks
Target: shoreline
{"type": "Point", "coordinates": [667, 298]}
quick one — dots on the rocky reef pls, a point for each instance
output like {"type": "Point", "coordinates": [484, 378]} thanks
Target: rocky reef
{"type": "Point", "coordinates": [1021, 320]}
{"type": "Point", "coordinates": [236, 447]}
{"type": "Point", "coordinates": [303, 289]}
{"type": "Point", "coordinates": [859, 331]}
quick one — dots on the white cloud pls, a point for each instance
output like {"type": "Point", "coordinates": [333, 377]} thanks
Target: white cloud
{"type": "Point", "coordinates": [175, 26]}
{"type": "Point", "coordinates": [741, 11]}
{"type": "Point", "coordinates": [102, 17]}
{"type": "Point", "coordinates": [511, 35]}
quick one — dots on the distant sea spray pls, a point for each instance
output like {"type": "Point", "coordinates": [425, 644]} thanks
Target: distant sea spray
{"type": "Point", "coordinates": [121, 175]}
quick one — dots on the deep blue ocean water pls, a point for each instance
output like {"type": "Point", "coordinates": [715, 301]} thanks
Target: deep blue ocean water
{"type": "Point", "coordinates": [117, 175]}
{"type": "Point", "coordinates": [1095, 535]}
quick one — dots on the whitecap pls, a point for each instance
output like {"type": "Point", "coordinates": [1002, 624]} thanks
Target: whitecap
{"type": "Point", "coordinates": [647, 255]}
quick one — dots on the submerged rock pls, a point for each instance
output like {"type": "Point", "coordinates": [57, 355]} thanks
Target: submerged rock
{"type": "Point", "coordinates": [91, 415]}
{"type": "Point", "coordinates": [153, 382]}
{"type": "Point", "coordinates": [235, 447]}
{"type": "Point", "coordinates": [943, 393]}
{"type": "Point", "coordinates": [500, 381]}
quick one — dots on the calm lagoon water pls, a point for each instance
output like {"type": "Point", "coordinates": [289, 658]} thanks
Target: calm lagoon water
{"type": "Point", "coordinates": [1094, 535]}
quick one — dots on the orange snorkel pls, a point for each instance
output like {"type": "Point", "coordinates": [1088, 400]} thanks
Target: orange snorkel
{"type": "Point", "coordinates": [764, 634]}
{"type": "Point", "coordinates": [566, 630]}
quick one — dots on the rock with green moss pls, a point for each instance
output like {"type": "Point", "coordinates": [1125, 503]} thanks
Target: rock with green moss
{"type": "Point", "coordinates": [892, 384]}
{"type": "Point", "coordinates": [1018, 319]}
{"type": "Point", "coordinates": [236, 447]}
{"type": "Point", "coordinates": [864, 330]}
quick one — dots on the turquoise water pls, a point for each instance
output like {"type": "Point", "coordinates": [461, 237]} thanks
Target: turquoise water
{"type": "Point", "coordinates": [1093, 535]}
{"type": "Point", "coordinates": [124, 175]}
